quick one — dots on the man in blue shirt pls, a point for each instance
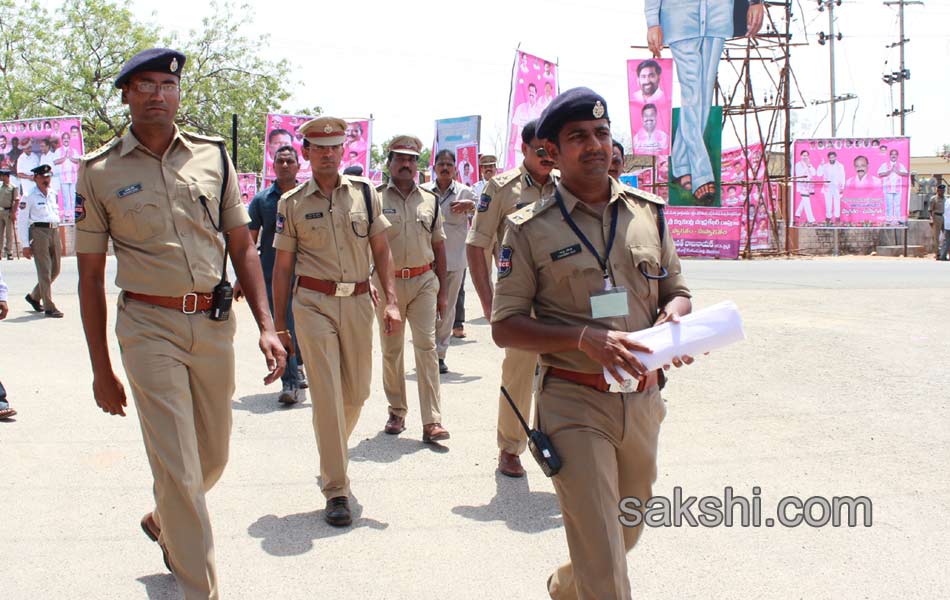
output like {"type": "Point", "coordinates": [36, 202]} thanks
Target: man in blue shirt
{"type": "Point", "coordinates": [263, 212]}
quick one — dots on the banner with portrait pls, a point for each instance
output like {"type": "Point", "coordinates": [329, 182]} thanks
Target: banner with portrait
{"type": "Point", "coordinates": [743, 179]}
{"type": "Point", "coordinates": [851, 182]}
{"type": "Point", "coordinates": [247, 183]}
{"type": "Point", "coordinates": [533, 86]}
{"type": "Point", "coordinates": [284, 130]}
{"type": "Point", "coordinates": [650, 93]}
{"type": "Point", "coordinates": [56, 141]}
{"type": "Point", "coordinates": [455, 132]}
{"type": "Point", "coordinates": [466, 164]}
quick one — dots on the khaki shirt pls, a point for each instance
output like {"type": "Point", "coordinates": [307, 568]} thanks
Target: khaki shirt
{"type": "Point", "coordinates": [7, 196]}
{"type": "Point", "coordinates": [415, 225]}
{"type": "Point", "coordinates": [937, 205]}
{"type": "Point", "coordinates": [330, 236]}
{"type": "Point", "coordinates": [455, 224]}
{"type": "Point", "coordinates": [503, 195]}
{"type": "Point", "coordinates": [544, 266]}
{"type": "Point", "coordinates": [165, 239]}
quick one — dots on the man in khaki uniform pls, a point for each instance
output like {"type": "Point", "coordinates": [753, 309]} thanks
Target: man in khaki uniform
{"type": "Point", "coordinates": [456, 203]}
{"type": "Point", "coordinates": [487, 167]}
{"type": "Point", "coordinates": [417, 241]}
{"type": "Point", "coordinates": [332, 224]}
{"type": "Point", "coordinates": [937, 207]}
{"type": "Point", "coordinates": [593, 263]}
{"type": "Point", "coordinates": [38, 225]}
{"type": "Point", "coordinates": [164, 197]}
{"type": "Point", "coordinates": [503, 195]}
{"type": "Point", "coordinates": [8, 203]}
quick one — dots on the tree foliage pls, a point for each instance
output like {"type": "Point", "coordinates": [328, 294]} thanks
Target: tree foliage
{"type": "Point", "coordinates": [68, 67]}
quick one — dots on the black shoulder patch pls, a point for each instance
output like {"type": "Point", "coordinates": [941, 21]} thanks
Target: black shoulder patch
{"type": "Point", "coordinates": [80, 213]}
{"type": "Point", "coordinates": [280, 223]}
{"type": "Point", "coordinates": [565, 252]}
{"type": "Point", "coordinates": [483, 202]}
{"type": "Point", "coordinates": [504, 261]}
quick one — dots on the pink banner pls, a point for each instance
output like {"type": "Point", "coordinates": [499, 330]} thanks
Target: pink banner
{"type": "Point", "coordinates": [247, 182]}
{"type": "Point", "coordinates": [708, 232]}
{"type": "Point", "coordinates": [56, 141]}
{"type": "Point", "coordinates": [851, 182]}
{"type": "Point", "coordinates": [466, 161]}
{"type": "Point", "coordinates": [743, 178]}
{"type": "Point", "coordinates": [650, 91]}
{"type": "Point", "coordinates": [283, 130]}
{"type": "Point", "coordinates": [533, 86]}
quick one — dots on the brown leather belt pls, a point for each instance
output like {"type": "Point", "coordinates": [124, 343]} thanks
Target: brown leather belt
{"type": "Point", "coordinates": [188, 304]}
{"type": "Point", "coordinates": [409, 273]}
{"type": "Point", "coordinates": [333, 288]}
{"type": "Point", "coordinates": [597, 381]}
{"type": "Point", "coordinates": [44, 225]}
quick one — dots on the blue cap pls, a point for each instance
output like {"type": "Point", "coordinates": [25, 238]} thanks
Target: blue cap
{"type": "Point", "coordinates": [42, 170]}
{"type": "Point", "coordinates": [161, 60]}
{"type": "Point", "coordinates": [576, 104]}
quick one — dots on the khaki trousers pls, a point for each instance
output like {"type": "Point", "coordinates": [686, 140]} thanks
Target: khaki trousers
{"type": "Point", "coordinates": [517, 376]}
{"type": "Point", "coordinates": [607, 444]}
{"type": "Point", "coordinates": [336, 339]}
{"type": "Point", "coordinates": [6, 232]}
{"type": "Point", "coordinates": [937, 228]}
{"type": "Point", "coordinates": [47, 250]}
{"type": "Point", "coordinates": [181, 371]}
{"type": "Point", "coordinates": [416, 298]}
{"type": "Point", "coordinates": [443, 327]}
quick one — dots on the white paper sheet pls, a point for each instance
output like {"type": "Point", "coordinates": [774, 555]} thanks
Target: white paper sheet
{"type": "Point", "coordinates": [702, 331]}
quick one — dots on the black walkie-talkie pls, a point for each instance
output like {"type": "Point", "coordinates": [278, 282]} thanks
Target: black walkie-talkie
{"type": "Point", "coordinates": [223, 294]}
{"type": "Point", "coordinates": [538, 443]}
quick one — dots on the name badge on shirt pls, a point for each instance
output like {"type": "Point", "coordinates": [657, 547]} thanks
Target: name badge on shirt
{"type": "Point", "coordinates": [389, 211]}
{"type": "Point", "coordinates": [316, 215]}
{"type": "Point", "coordinates": [129, 190]}
{"type": "Point", "coordinates": [612, 302]}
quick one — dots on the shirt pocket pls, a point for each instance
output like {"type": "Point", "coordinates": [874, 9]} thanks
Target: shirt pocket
{"type": "Point", "coordinates": [204, 203]}
{"type": "Point", "coordinates": [645, 260]}
{"type": "Point", "coordinates": [425, 216]}
{"type": "Point", "coordinates": [359, 224]}
{"type": "Point", "coordinates": [578, 276]}
{"type": "Point", "coordinates": [138, 220]}
{"type": "Point", "coordinates": [395, 223]}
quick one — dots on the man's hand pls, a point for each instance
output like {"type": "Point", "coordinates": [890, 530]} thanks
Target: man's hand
{"type": "Point", "coordinates": [441, 303]}
{"type": "Point", "coordinates": [754, 19]}
{"type": "Point", "coordinates": [274, 354]}
{"type": "Point", "coordinates": [27, 253]}
{"type": "Point", "coordinates": [463, 206]}
{"type": "Point", "coordinates": [613, 351]}
{"type": "Point", "coordinates": [109, 394]}
{"type": "Point", "coordinates": [4, 310]}
{"type": "Point", "coordinates": [672, 317]}
{"type": "Point", "coordinates": [392, 320]}
{"type": "Point", "coordinates": [238, 291]}
{"type": "Point", "coordinates": [655, 40]}
{"type": "Point", "coordinates": [486, 309]}
{"type": "Point", "coordinates": [374, 295]}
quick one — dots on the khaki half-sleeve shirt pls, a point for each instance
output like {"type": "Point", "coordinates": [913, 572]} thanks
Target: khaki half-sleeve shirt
{"type": "Point", "coordinates": [544, 266]}
{"type": "Point", "coordinates": [416, 224]}
{"type": "Point", "coordinates": [503, 195]}
{"type": "Point", "coordinates": [330, 236]}
{"type": "Point", "coordinates": [162, 212]}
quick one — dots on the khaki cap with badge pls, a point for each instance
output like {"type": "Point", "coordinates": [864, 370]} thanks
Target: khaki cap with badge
{"type": "Point", "coordinates": [487, 159]}
{"type": "Point", "coordinates": [406, 144]}
{"type": "Point", "coordinates": [324, 131]}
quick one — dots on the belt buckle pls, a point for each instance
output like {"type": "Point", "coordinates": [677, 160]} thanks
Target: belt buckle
{"type": "Point", "coordinates": [184, 303]}
{"type": "Point", "coordinates": [405, 273]}
{"type": "Point", "coordinates": [627, 386]}
{"type": "Point", "coordinates": [344, 289]}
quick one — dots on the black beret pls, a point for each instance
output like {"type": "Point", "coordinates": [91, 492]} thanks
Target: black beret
{"type": "Point", "coordinates": [42, 170]}
{"type": "Point", "coordinates": [356, 170]}
{"type": "Point", "coordinates": [161, 60]}
{"type": "Point", "coordinates": [5, 172]}
{"type": "Point", "coordinates": [576, 104]}
{"type": "Point", "coordinates": [939, 187]}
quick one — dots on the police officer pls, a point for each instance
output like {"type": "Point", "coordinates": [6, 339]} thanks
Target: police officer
{"type": "Point", "coordinates": [503, 195]}
{"type": "Point", "coordinates": [8, 202]}
{"type": "Point", "coordinates": [487, 167]}
{"type": "Point", "coordinates": [593, 262]}
{"type": "Point", "coordinates": [456, 203]}
{"type": "Point", "coordinates": [332, 225]}
{"type": "Point", "coordinates": [38, 227]}
{"type": "Point", "coordinates": [937, 207]}
{"type": "Point", "coordinates": [164, 197]}
{"type": "Point", "coordinates": [417, 241]}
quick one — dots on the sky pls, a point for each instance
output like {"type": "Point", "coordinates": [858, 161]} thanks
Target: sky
{"type": "Point", "coordinates": [409, 63]}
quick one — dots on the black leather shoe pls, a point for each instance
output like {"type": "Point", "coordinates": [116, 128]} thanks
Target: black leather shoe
{"type": "Point", "coordinates": [54, 313]}
{"type": "Point", "coordinates": [288, 395]}
{"type": "Point", "coordinates": [338, 512]}
{"type": "Point", "coordinates": [36, 305]}
{"type": "Point", "coordinates": [443, 368]}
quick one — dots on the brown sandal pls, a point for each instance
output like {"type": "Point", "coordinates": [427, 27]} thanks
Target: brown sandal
{"type": "Point", "coordinates": [153, 531]}
{"type": "Point", "coordinates": [6, 413]}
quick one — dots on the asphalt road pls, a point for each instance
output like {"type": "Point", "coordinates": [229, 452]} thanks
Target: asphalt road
{"type": "Point", "coordinates": [839, 390]}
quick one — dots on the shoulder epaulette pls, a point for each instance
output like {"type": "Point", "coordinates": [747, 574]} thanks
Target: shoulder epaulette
{"type": "Point", "coordinates": [526, 213]}
{"type": "Point", "coordinates": [381, 187]}
{"type": "Point", "coordinates": [506, 178]}
{"type": "Point", "coordinates": [430, 192]}
{"type": "Point", "coordinates": [642, 195]}
{"type": "Point", "coordinates": [293, 190]}
{"type": "Point", "coordinates": [101, 150]}
{"type": "Point", "coordinates": [202, 138]}
{"type": "Point", "coordinates": [359, 179]}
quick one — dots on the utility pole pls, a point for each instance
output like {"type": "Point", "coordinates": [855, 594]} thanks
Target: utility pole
{"type": "Point", "coordinates": [830, 39]}
{"type": "Point", "coordinates": [904, 73]}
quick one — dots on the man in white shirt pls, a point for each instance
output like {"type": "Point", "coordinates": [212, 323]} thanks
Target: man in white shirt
{"type": "Point", "coordinates": [648, 77]}
{"type": "Point", "coordinates": [892, 174]}
{"type": "Point", "coordinates": [38, 228]}
{"type": "Point", "coordinates": [863, 185]}
{"type": "Point", "coordinates": [804, 173]}
{"type": "Point", "coordinates": [5, 411]}
{"type": "Point", "coordinates": [24, 168]}
{"type": "Point", "coordinates": [832, 174]}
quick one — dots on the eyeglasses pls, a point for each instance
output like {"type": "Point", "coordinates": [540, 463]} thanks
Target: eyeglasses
{"type": "Point", "coordinates": [540, 151]}
{"type": "Point", "coordinates": [149, 87]}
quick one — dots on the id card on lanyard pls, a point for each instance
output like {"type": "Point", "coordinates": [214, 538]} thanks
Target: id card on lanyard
{"type": "Point", "coordinates": [611, 301]}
